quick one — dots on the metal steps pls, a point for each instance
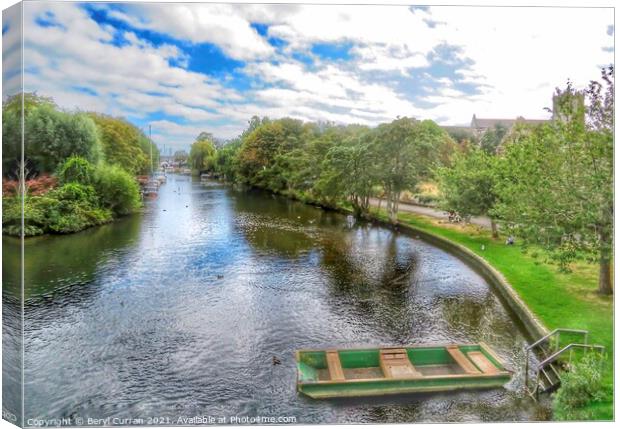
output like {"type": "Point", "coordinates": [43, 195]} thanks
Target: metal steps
{"type": "Point", "coordinates": [551, 354]}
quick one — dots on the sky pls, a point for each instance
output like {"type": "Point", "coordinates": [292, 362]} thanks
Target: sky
{"type": "Point", "coordinates": [187, 68]}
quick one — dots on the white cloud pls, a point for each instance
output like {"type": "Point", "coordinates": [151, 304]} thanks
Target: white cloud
{"type": "Point", "coordinates": [200, 23]}
{"type": "Point", "coordinates": [513, 57]}
{"type": "Point", "coordinates": [11, 51]}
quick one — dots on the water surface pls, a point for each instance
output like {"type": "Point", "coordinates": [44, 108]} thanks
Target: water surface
{"type": "Point", "coordinates": [178, 312]}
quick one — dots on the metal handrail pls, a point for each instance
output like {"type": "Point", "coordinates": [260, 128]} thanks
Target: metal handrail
{"type": "Point", "coordinates": [529, 348]}
{"type": "Point", "coordinates": [555, 331]}
{"type": "Point", "coordinates": [541, 366]}
{"type": "Point", "coordinates": [555, 355]}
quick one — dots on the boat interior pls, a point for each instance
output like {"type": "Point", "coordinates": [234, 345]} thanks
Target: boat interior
{"type": "Point", "coordinates": [396, 363]}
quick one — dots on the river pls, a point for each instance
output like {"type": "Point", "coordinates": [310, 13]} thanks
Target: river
{"type": "Point", "coordinates": [179, 311]}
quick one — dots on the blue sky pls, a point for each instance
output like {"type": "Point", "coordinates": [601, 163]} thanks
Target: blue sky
{"type": "Point", "coordinates": [187, 68]}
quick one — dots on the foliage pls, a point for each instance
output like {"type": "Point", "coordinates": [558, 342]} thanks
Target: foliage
{"type": "Point", "coordinates": [580, 386]}
{"type": "Point", "coordinates": [50, 135]}
{"type": "Point", "coordinates": [225, 163]}
{"type": "Point", "coordinates": [463, 136]}
{"type": "Point", "coordinates": [467, 187]}
{"type": "Point", "coordinates": [407, 151]}
{"type": "Point", "coordinates": [202, 153]}
{"type": "Point", "coordinates": [118, 190]}
{"type": "Point", "coordinates": [262, 158]}
{"type": "Point", "coordinates": [180, 156]}
{"type": "Point", "coordinates": [124, 144]}
{"type": "Point", "coordinates": [76, 169]}
{"type": "Point", "coordinates": [349, 172]}
{"type": "Point", "coordinates": [556, 184]}
{"type": "Point", "coordinates": [37, 186]}
{"type": "Point", "coordinates": [69, 208]}
{"type": "Point", "coordinates": [332, 164]}
{"type": "Point", "coordinates": [492, 138]}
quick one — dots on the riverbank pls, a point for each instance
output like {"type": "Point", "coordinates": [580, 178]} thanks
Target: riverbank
{"type": "Point", "coordinates": [557, 299]}
{"type": "Point", "coordinates": [567, 300]}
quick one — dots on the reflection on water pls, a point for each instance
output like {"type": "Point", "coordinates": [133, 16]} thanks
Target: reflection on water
{"type": "Point", "coordinates": [179, 311]}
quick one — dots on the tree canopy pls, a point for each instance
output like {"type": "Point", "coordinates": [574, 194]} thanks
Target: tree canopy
{"type": "Point", "coordinates": [124, 144]}
{"type": "Point", "coordinates": [202, 153]}
{"type": "Point", "coordinates": [50, 135]}
{"type": "Point", "coordinates": [555, 182]}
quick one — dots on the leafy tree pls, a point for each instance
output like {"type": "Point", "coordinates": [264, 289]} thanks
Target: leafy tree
{"type": "Point", "coordinates": [124, 144]}
{"type": "Point", "coordinates": [492, 138]}
{"type": "Point", "coordinates": [407, 151]}
{"type": "Point", "coordinates": [263, 146]}
{"type": "Point", "coordinates": [71, 207]}
{"type": "Point", "coordinates": [202, 153]}
{"type": "Point", "coordinates": [76, 169]}
{"type": "Point", "coordinates": [181, 156]}
{"type": "Point", "coordinates": [117, 189]}
{"type": "Point", "coordinates": [225, 163]}
{"type": "Point", "coordinates": [467, 187]}
{"type": "Point", "coordinates": [556, 182]}
{"type": "Point", "coordinates": [50, 135]}
{"type": "Point", "coordinates": [350, 171]}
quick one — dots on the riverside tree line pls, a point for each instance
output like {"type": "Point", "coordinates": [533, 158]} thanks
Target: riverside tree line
{"type": "Point", "coordinates": [79, 169]}
{"type": "Point", "coordinates": [549, 185]}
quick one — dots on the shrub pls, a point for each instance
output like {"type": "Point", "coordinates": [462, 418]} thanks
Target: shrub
{"type": "Point", "coordinates": [75, 192]}
{"type": "Point", "coordinates": [37, 186]}
{"type": "Point", "coordinates": [580, 387]}
{"type": "Point", "coordinates": [70, 208]}
{"type": "Point", "coordinates": [117, 189]}
{"type": "Point", "coordinates": [76, 169]}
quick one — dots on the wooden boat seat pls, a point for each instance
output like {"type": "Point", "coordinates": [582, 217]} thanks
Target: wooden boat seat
{"type": "Point", "coordinates": [396, 364]}
{"type": "Point", "coordinates": [334, 366]}
{"type": "Point", "coordinates": [462, 360]}
{"type": "Point", "coordinates": [483, 363]}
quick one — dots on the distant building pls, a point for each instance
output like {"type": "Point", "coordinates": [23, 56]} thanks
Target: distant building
{"type": "Point", "coordinates": [480, 125]}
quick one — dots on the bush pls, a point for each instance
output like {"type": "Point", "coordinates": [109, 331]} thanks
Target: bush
{"type": "Point", "coordinates": [117, 189]}
{"type": "Point", "coordinates": [76, 169]}
{"type": "Point", "coordinates": [580, 387]}
{"type": "Point", "coordinates": [70, 208]}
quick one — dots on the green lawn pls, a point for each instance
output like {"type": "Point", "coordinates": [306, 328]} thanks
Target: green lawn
{"type": "Point", "coordinates": [560, 300]}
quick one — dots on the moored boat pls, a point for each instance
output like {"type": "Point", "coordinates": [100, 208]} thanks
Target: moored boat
{"type": "Point", "coordinates": [394, 370]}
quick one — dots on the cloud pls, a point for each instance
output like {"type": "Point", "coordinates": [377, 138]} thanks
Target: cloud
{"type": "Point", "coordinates": [342, 63]}
{"type": "Point", "coordinates": [199, 23]}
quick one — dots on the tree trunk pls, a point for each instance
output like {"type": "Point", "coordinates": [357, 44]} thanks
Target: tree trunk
{"type": "Point", "coordinates": [494, 232]}
{"type": "Point", "coordinates": [395, 196]}
{"type": "Point", "coordinates": [604, 275]}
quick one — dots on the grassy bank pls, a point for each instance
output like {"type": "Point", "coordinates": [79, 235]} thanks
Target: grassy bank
{"type": "Point", "coordinates": [560, 300]}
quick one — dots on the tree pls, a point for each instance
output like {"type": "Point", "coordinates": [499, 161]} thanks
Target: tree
{"type": "Point", "coordinates": [202, 153]}
{"type": "Point", "coordinates": [225, 163]}
{"type": "Point", "coordinates": [76, 169]}
{"type": "Point", "coordinates": [556, 181]}
{"type": "Point", "coordinates": [50, 135]}
{"type": "Point", "coordinates": [124, 144]}
{"type": "Point", "coordinates": [467, 186]}
{"type": "Point", "coordinates": [261, 158]}
{"type": "Point", "coordinates": [492, 138]}
{"type": "Point", "coordinates": [181, 156]}
{"type": "Point", "coordinates": [349, 171]}
{"type": "Point", "coordinates": [118, 191]}
{"type": "Point", "coordinates": [407, 151]}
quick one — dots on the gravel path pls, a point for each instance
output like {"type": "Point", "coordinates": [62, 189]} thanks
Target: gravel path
{"type": "Point", "coordinates": [482, 221]}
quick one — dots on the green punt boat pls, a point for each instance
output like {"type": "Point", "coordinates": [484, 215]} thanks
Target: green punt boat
{"type": "Point", "coordinates": [393, 370]}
